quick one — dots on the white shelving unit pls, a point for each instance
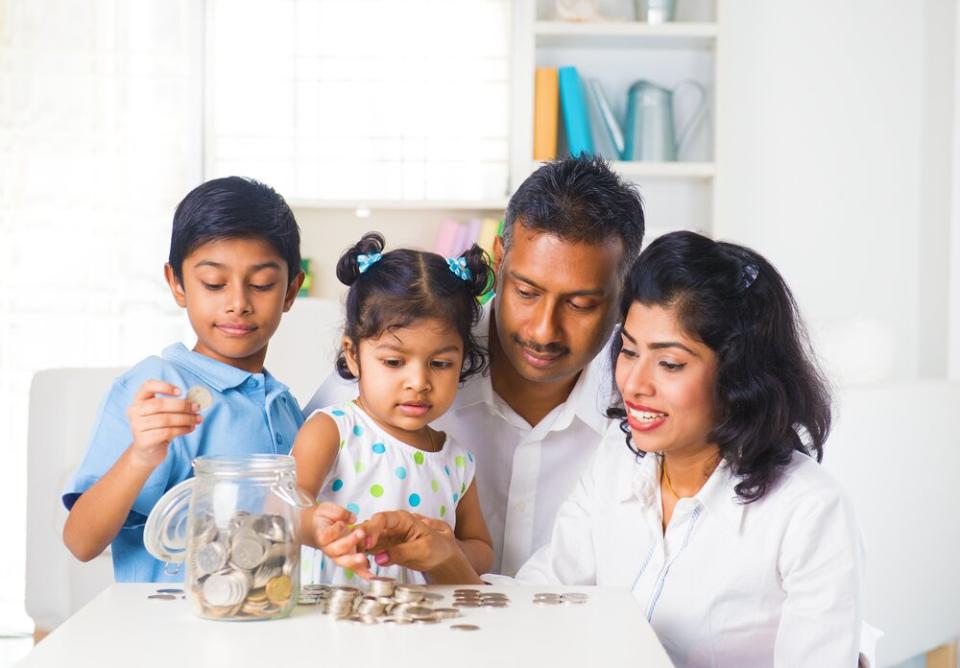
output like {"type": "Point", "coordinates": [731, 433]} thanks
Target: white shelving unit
{"type": "Point", "coordinates": [678, 195]}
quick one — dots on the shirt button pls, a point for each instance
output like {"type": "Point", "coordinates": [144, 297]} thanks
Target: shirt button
{"type": "Point", "coordinates": [279, 439]}
{"type": "Point", "coordinates": [253, 382]}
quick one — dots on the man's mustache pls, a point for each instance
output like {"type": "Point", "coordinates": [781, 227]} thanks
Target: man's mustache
{"type": "Point", "coordinates": [552, 349]}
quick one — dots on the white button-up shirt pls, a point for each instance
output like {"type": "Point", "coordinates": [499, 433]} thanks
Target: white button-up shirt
{"type": "Point", "coordinates": [523, 472]}
{"type": "Point", "coordinates": [772, 583]}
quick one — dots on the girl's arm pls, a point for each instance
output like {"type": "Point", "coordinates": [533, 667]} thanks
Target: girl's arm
{"type": "Point", "coordinates": [326, 526]}
{"type": "Point", "coordinates": [471, 532]}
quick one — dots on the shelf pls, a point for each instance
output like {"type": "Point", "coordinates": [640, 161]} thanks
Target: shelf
{"type": "Point", "coordinates": [665, 170]}
{"type": "Point", "coordinates": [628, 34]}
{"type": "Point", "coordinates": [402, 205]}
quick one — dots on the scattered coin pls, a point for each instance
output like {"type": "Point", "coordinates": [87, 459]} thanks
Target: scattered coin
{"type": "Point", "coordinates": [163, 597]}
{"type": "Point", "coordinates": [169, 591]}
{"type": "Point", "coordinates": [465, 627]}
{"type": "Point", "coordinates": [201, 396]}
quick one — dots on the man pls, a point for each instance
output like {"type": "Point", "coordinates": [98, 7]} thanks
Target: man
{"type": "Point", "coordinates": [571, 231]}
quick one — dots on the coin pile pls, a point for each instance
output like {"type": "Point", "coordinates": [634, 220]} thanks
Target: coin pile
{"type": "Point", "coordinates": [569, 598]}
{"type": "Point", "coordinates": [474, 598]}
{"type": "Point", "coordinates": [246, 569]}
{"type": "Point", "coordinates": [385, 602]}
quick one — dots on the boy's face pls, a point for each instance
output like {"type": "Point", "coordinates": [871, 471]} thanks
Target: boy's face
{"type": "Point", "coordinates": [235, 291]}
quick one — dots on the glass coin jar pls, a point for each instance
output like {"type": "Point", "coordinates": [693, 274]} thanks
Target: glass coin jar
{"type": "Point", "coordinates": [234, 528]}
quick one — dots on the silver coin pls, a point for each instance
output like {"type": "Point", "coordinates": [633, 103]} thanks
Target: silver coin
{"type": "Point", "coordinates": [169, 591]}
{"type": "Point", "coordinates": [432, 596]}
{"type": "Point", "coordinates": [464, 627]}
{"type": "Point", "coordinates": [163, 597]}
{"type": "Point", "coordinates": [247, 550]}
{"type": "Point", "coordinates": [446, 613]}
{"type": "Point", "coordinates": [546, 601]}
{"type": "Point", "coordinates": [467, 604]}
{"type": "Point", "coordinates": [494, 604]}
{"type": "Point", "coordinates": [573, 601]}
{"type": "Point", "coordinates": [211, 557]}
{"type": "Point", "coordinates": [201, 396]}
{"type": "Point", "coordinates": [466, 591]}
{"type": "Point", "coordinates": [574, 595]}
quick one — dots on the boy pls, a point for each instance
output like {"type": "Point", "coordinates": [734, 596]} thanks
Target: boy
{"type": "Point", "coordinates": [234, 265]}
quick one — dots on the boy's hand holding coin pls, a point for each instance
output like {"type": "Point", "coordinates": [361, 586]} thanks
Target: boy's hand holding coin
{"type": "Point", "coordinates": [156, 420]}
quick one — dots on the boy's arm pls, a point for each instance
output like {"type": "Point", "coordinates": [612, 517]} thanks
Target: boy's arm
{"type": "Point", "coordinates": [98, 515]}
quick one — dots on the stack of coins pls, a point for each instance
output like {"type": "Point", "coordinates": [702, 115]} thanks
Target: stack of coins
{"type": "Point", "coordinates": [570, 598]}
{"type": "Point", "coordinates": [474, 598]}
{"type": "Point", "coordinates": [385, 602]}
{"type": "Point", "coordinates": [245, 569]}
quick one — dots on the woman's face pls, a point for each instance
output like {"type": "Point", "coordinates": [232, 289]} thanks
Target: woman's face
{"type": "Point", "coordinates": [667, 382]}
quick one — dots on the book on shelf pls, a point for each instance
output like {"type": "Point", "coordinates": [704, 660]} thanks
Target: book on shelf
{"type": "Point", "coordinates": [576, 121]}
{"type": "Point", "coordinates": [546, 110]}
{"type": "Point", "coordinates": [603, 124]}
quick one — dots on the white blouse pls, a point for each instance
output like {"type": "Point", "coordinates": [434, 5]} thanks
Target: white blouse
{"type": "Point", "coordinates": [772, 583]}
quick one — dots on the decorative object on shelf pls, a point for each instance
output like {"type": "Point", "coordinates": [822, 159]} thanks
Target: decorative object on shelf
{"type": "Point", "coordinates": [307, 278]}
{"type": "Point", "coordinates": [575, 119]}
{"type": "Point", "coordinates": [656, 11]}
{"type": "Point", "coordinates": [546, 110]}
{"type": "Point", "coordinates": [649, 133]}
{"type": "Point", "coordinates": [578, 10]}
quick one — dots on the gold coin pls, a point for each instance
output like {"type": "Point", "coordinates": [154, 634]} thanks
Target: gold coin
{"type": "Point", "coordinates": [279, 589]}
{"type": "Point", "coordinates": [200, 396]}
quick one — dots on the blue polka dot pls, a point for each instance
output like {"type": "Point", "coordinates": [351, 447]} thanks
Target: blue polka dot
{"type": "Point", "coordinates": [379, 448]}
{"type": "Point", "coordinates": [455, 497]}
{"type": "Point", "coordinates": [401, 473]}
{"type": "Point", "coordinates": [357, 430]}
{"type": "Point", "coordinates": [338, 413]}
{"type": "Point", "coordinates": [354, 508]}
{"type": "Point", "coordinates": [337, 485]}
{"type": "Point", "coordinates": [447, 469]}
{"type": "Point", "coordinates": [414, 500]}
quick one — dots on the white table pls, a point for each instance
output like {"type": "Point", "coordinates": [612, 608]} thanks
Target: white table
{"type": "Point", "coordinates": [121, 627]}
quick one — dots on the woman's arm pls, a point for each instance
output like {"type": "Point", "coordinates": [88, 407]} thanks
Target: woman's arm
{"type": "Point", "coordinates": [821, 565]}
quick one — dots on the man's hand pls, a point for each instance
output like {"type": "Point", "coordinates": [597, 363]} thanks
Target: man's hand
{"type": "Point", "coordinates": [157, 420]}
{"type": "Point", "coordinates": [335, 535]}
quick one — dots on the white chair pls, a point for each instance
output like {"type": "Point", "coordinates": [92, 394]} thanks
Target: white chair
{"type": "Point", "coordinates": [895, 448]}
{"type": "Point", "coordinates": [63, 406]}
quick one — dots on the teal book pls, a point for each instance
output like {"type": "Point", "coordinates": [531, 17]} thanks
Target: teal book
{"type": "Point", "coordinates": [573, 107]}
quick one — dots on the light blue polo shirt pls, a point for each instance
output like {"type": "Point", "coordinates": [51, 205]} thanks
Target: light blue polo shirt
{"type": "Point", "coordinates": [252, 413]}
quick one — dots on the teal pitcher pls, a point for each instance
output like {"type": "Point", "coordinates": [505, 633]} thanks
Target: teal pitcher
{"type": "Point", "coordinates": [649, 133]}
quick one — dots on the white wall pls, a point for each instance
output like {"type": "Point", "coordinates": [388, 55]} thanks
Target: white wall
{"type": "Point", "coordinates": [835, 162]}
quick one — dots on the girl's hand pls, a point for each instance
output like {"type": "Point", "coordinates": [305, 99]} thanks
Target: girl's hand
{"type": "Point", "coordinates": [335, 535]}
{"type": "Point", "coordinates": [412, 541]}
{"type": "Point", "coordinates": [156, 420]}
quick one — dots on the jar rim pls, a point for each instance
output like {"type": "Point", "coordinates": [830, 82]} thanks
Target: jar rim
{"type": "Point", "coordinates": [243, 465]}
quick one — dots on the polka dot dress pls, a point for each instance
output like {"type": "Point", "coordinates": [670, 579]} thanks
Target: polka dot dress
{"type": "Point", "coordinates": [374, 472]}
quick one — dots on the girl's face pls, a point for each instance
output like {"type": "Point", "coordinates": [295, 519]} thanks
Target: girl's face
{"type": "Point", "coordinates": [408, 377]}
{"type": "Point", "coordinates": [667, 382]}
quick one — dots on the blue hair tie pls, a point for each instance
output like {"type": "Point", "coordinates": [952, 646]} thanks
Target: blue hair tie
{"type": "Point", "coordinates": [458, 265]}
{"type": "Point", "coordinates": [366, 261]}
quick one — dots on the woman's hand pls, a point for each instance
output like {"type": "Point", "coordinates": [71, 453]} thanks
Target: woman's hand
{"type": "Point", "coordinates": [419, 543]}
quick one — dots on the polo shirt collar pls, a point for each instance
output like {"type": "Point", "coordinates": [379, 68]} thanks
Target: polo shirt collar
{"type": "Point", "coordinates": [216, 374]}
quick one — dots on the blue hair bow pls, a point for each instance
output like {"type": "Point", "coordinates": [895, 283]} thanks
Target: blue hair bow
{"type": "Point", "coordinates": [458, 265]}
{"type": "Point", "coordinates": [366, 261]}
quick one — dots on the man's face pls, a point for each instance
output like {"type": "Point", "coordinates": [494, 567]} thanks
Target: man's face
{"type": "Point", "coordinates": [556, 302]}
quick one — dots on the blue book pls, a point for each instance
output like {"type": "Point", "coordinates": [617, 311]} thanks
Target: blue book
{"type": "Point", "coordinates": [573, 106]}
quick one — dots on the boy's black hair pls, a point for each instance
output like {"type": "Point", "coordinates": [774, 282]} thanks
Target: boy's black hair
{"type": "Point", "coordinates": [234, 207]}
{"type": "Point", "coordinates": [581, 200]}
{"type": "Point", "coordinates": [404, 286]}
{"type": "Point", "coordinates": [770, 396]}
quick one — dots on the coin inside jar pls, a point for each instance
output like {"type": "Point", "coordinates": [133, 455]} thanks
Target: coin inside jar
{"type": "Point", "coordinates": [279, 589]}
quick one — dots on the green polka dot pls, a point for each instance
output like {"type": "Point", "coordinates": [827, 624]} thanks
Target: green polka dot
{"type": "Point", "coordinates": [435, 485]}
{"type": "Point", "coordinates": [377, 491]}
{"type": "Point", "coordinates": [418, 457]}
{"type": "Point", "coordinates": [463, 488]}
{"type": "Point", "coordinates": [348, 573]}
{"type": "Point", "coordinates": [358, 467]}
{"type": "Point", "coordinates": [443, 511]}
{"type": "Point", "coordinates": [459, 461]}
{"type": "Point", "coordinates": [342, 443]}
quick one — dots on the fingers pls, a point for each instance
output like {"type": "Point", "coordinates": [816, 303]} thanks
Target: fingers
{"type": "Point", "coordinates": [152, 388]}
{"type": "Point", "coordinates": [331, 512]}
{"type": "Point", "coordinates": [168, 420]}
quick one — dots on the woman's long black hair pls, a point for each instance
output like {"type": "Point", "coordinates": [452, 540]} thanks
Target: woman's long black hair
{"type": "Point", "coordinates": [770, 396]}
{"type": "Point", "coordinates": [404, 286]}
